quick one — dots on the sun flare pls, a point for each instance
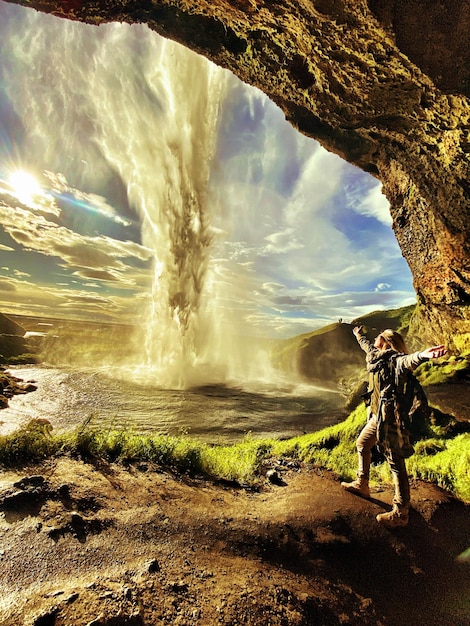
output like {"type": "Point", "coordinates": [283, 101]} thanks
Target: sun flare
{"type": "Point", "coordinates": [25, 187]}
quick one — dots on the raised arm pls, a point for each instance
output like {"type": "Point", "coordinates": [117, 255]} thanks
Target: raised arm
{"type": "Point", "coordinates": [365, 344]}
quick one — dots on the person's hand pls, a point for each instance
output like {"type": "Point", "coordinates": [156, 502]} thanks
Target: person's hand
{"type": "Point", "coordinates": [357, 330]}
{"type": "Point", "coordinates": [434, 353]}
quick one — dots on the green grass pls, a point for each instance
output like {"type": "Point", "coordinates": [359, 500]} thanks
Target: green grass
{"type": "Point", "coordinates": [462, 343]}
{"type": "Point", "coordinates": [441, 371]}
{"type": "Point", "coordinates": [398, 319]}
{"type": "Point", "coordinates": [445, 462]}
{"type": "Point", "coordinates": [443, 458]}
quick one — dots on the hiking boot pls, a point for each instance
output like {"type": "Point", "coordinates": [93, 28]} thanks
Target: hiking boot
{"type": "Point", "coordinates": [394, 518]}
{"type": "Point", "coordinates": [358, 487]}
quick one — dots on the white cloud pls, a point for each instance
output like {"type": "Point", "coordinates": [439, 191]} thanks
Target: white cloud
{"type": "Point", "coordinates": [90, 201]}
{"type": "Point", "coordinates": [272, 287]}
{"type": "Point", "coordinates": [7, 285]}
{"type": "Point", "coordinates": [282, 242]}
{"type": "Point", "coordinates": [91, 257]}
{"type": "Point", "coordinates": [383, 287]}
{"type": "Point", "coordinates": [374, 204]}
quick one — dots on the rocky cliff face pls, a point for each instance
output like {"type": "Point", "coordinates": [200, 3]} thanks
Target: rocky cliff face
{"type": "Point", "coordinates": [382, 83]}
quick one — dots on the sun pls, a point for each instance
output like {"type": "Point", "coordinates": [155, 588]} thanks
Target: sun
{"type": "Point", "coordinates": [25, 187]}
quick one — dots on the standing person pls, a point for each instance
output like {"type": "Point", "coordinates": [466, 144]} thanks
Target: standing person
{"type": "Point", "coordinates": [388, 354]}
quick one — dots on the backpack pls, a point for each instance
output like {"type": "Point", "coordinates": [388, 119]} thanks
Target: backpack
{"type": "Point", "coordinates": [403, 412]}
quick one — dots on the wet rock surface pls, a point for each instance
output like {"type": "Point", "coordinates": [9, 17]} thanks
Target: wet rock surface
{"type": "Point", "coordinates": [11, 385]}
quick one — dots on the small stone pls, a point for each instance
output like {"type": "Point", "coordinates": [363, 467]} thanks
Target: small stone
{"type": "Point", "coordinates": [64, 491]}
{"type": "Point", "coordinates": [97, 621]}
{"type": "Point", "coordinates": [273, 476]}
{"type": "Point", "coordinates": [72, 597]}
{"type": "Point", "coordinates": [77, 521]}
{"type": "Point", "coordinates": [28, 387]}
{"type": "Point", "coordinates": [178, 587]}
{"type": "Point", "coordinates": [153, 566]}
{"type": "Point", "coordinates": [30, 481]}
{"type": "Point", "coordinates": [46, 618]}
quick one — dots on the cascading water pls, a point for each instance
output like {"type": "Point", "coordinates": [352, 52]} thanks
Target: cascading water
{"type": "Point", "coordinates": [162, 149]}
{"type": "Point", "coordinates": [118, 99]}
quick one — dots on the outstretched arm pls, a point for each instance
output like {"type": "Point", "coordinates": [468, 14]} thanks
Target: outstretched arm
{"type": "Point", "coordinates": [433, 353]}
{"type": "Point", "coordinates": [411, 361]}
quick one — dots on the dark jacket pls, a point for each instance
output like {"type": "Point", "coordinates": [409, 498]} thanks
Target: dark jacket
{"type": "Point", "coordinates": [387, 396]}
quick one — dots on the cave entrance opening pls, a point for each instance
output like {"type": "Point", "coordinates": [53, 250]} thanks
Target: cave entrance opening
{"type": "Point", "coordinates": [175, 195]}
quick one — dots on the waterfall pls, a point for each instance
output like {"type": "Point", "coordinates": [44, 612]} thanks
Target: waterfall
{"type": "Point", "coordinates": [161, 138]}
{"type": "Point", "coordinates": [117, 101]}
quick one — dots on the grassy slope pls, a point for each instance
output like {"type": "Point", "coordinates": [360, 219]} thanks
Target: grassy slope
{"type": "Point", "coordinates": [331, 354]}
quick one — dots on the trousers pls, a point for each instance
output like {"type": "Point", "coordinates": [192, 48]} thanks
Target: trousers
{"type": "Point", "coordinates": [365, 442]}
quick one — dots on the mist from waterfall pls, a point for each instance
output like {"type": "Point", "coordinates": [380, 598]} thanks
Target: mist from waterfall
{"type": "Point", "coordinates": [120, 100]}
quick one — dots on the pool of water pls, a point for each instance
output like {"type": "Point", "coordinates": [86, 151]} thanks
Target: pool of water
{"type": "Point", "coordinates": [218, 412]}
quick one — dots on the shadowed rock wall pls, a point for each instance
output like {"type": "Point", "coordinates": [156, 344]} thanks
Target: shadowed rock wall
{"type": "Point", "coordinates": [382, 83]}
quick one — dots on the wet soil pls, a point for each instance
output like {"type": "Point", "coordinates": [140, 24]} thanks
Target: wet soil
{"type": "Point", "coordinates": [104, 545]}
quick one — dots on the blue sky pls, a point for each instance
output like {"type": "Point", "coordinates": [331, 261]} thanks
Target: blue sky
{"type": "Point", "coordinates": [152, 174]}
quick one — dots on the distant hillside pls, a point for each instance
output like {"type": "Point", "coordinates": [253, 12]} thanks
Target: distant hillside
{"type": "Point", "coordinates": [12, 342]}
{"type": "Point", "coordinates": [9, 327]}
{"type": "Point", "coordinates": [331, 355]}
{"type": "Point", "coordinates": [397, 319]}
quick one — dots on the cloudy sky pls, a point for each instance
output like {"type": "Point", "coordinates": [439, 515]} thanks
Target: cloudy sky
{"type": "Point", "coordinates": [135, 175]}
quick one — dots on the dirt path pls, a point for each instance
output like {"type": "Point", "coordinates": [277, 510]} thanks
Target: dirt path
{"type": "Point", "coordinates": [103, 545]}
